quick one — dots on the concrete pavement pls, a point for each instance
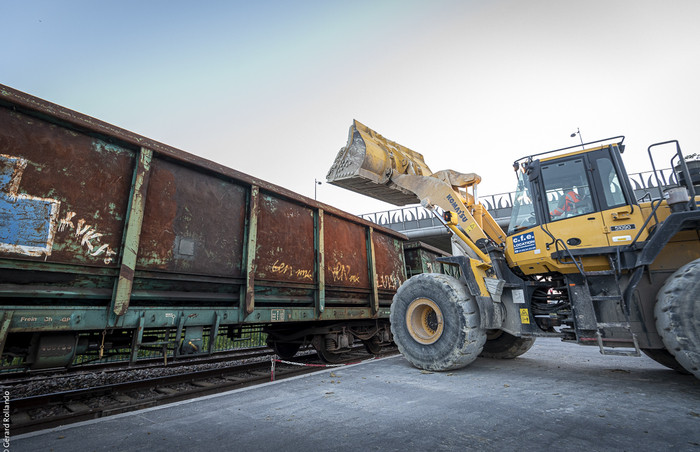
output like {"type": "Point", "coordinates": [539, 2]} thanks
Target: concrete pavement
{"type": "Point", "coordinates": [555, 397]}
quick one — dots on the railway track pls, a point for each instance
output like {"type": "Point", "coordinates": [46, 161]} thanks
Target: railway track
{"type": "Point", "coordinates": [41, 411]}
{"type": "Point", "coordinates": [36, 378]}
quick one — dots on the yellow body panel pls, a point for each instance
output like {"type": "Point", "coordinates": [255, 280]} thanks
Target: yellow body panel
{"type": "Point", "coordinates": [533, 248]}
{"type": "Point", "coordinates": [479, 275]}
{"type": "Point", "coordinates": [614, 227]}
{"type": "Point", "coordinates": [683, 248]}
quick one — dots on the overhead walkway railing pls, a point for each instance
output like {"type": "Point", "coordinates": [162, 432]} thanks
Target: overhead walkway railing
{"type": "Point", "coordinates": [419, 221]}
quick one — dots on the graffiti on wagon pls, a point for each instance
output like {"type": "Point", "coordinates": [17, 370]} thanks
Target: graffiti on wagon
{"type": "Point", "coordinates": [88, 237]}
{"type": "Point", "coordinates": [28, 224]}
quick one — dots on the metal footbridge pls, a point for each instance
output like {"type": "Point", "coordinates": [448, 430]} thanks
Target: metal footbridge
{"type": "Point", "coordinates": [418, 223]}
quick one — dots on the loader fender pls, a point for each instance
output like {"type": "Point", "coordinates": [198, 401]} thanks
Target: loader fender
{"type": "Point", "coordinates": [491, 310]}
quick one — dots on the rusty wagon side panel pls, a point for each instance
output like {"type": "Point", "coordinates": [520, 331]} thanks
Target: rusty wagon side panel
{"type": "Point", "coordinates": [104, 230]}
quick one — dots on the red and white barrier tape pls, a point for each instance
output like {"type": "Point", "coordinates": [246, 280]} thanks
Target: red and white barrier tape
{"type": "Point", "coordinates": [274, 360]}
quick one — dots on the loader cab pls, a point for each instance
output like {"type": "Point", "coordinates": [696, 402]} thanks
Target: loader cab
{"type": "Point", "coordinates": [581, 183]}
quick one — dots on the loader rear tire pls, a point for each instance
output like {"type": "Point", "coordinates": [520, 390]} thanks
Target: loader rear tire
{"type": "Point", "coordinates": [677, 314]}
{"type": "Point", "coordinates": [435, 323]}
{"type": "Point", "coordinates": [663, 357]}
{"type": "Point", "coordinates": [502, 345]}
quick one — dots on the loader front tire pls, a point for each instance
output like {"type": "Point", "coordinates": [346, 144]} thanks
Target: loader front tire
{"type": "Point", "coordinates": [502, 345]}
{"type": "Point", "coordinates": [677, 314]}
{"type": "Point", "coordinates": [435, 323]}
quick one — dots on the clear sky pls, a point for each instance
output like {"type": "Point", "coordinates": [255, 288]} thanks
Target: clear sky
{"type": "Point", "coordinates": [270, 87]}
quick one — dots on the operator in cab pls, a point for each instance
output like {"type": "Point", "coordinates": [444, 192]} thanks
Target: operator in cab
{"type": "Point", "coordinates": [567, 203]}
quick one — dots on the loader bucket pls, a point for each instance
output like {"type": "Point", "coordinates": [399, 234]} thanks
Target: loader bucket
{"type": "Point", "coordinates": [365, 165]}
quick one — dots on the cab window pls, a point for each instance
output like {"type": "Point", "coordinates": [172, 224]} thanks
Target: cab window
{"type": "Point", "coordinates": [523, 213]}
{"type": "Point", "coordinates": [612, 190]}
{"type": "Point", "coordinates": [567, 189]}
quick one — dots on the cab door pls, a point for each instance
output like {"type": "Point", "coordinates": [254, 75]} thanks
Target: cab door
{"type": "Point", "coordinates": [568, 215]}
{"type": "Point", "coordinates": [621, 214]}
{"type": "Point", "coordinates": [571, 209]}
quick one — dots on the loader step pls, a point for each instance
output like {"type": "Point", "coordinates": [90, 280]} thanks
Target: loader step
{"type": "Point", "coordinates": [614, 351]}
{"type": "Point", "coordinates": [606, 297]}
{"type": "Point", "coordinates": [601, 273]}
{"type": "Point", "coordinates": [625, 325]}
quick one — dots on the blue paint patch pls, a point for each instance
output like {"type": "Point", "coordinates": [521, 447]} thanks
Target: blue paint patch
{"type": "Point", "coordinates": [524, 242]}
{"type": "Point", "coordinates": [27, 223]}
{"type": "Point", "coordinates": [7, 169]}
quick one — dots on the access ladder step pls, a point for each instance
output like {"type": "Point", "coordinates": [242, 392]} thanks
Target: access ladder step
{"type": "Point", "coordinates": [606, 298]}
{"type": "Point", "coordinates": [625, 325]}
{"type": "Point", "coordinates": [614, 351]}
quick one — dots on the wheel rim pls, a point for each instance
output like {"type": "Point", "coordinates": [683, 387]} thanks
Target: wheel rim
{"type": "Point", "coordinates": [493, 334]}
{"type": "Point", "coordinates": [424, 321]}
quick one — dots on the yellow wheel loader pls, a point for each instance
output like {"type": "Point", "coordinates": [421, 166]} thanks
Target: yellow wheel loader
{"type": "Point", "coordinates": [583, 259]}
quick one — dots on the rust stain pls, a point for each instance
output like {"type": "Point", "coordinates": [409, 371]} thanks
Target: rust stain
{"type": "Point", "coordinates": [193, 222]}
{"type": "Point", "coordinates": [157, 234]}
{"type": "Point", "coordinates": [346, 253]}
{"type": "Point", "coordinates": [390, 262]}
{"type": "Point", "coordinates": [285, 241]}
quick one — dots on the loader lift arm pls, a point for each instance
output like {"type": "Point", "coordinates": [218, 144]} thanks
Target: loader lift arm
{"type": "Point", "coordinates": [372, 165]}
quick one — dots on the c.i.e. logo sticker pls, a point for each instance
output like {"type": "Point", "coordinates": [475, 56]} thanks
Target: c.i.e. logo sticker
{"type": "Point", "coordinates": [524, 242]}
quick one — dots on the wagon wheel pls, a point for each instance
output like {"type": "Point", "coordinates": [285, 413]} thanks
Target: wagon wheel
{"type": "Point", "coordinates": [285, 350]}
{"type": "Point", "coordinates": [321, 345]}
{"type": "Point", "coordinates": [372, 346]}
